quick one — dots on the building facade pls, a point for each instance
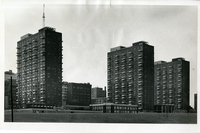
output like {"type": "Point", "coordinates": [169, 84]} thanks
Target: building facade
{"type": "Point", "coordinates": [99, 100]}
{"type": "Point", "coordinates": [8, 74]}
{"type": "Point", "coordinates": [172, 85]}
{"type": "Point", "coordinates": [114, 108]}
{"type": "Point", "coordinates": [195, 101]}
{"type": "Point", "coordinates": [130, 75]}
{"type": "Point", "coordinates": [76, 94]}
{"type": "Point", "coordinates": [97, 92]}
{"type": "Point", "coordinates": [98, 95]}
{"type": "Point", "coordinates": [39, 69]}
{"type": "Point", "coordinates": [7, 89]}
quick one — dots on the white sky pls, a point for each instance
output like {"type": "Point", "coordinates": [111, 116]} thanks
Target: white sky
{"type": "Point", "coordinates": [90, 31]}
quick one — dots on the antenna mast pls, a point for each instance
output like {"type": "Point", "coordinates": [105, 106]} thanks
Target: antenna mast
{"type": "Point", "coordinates": [43, 17]}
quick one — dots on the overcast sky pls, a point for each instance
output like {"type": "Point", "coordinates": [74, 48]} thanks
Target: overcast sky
{"type": "Point", "coordinates": [89, 32]}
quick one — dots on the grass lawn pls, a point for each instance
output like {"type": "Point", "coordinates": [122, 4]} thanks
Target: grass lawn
{"type": "Point", "coordinates": [184, 118]}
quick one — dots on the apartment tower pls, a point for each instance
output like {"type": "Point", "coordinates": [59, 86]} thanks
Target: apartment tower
{"type": "Point", "coordinates": [131, 75]}
{"type": "Point", "coordinates": [172, 85]}
{"type": "Point", "coordinates": [39, 69]}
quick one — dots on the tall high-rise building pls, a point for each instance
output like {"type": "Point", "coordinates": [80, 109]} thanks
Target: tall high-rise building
{"type": "Point", "coordinates": [130, 75]}
{"type": "Point", "coordinates": [172, 83]}
{"type": "Point", "coordinates": [39, 69]}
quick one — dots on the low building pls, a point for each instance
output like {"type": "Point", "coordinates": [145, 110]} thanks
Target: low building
{"type": "Point", "coordinates": [98, 95]}
{"type": "Point", "coordinates": [97, 92]}
{"type": "Point", "coordinates": [7, 89]}
{"type": "Point", "coordinates": [99, 100]}
{"type": "Point", "coordinates": [76, 94]}
{"type": "Point", "coordinates": [164, 108]}
{"type": "Point", "coordinates": [9, 73]}
{"type": "Point", "coordinates": [114, 108]}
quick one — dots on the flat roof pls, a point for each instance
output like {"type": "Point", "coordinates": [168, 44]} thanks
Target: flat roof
{"type": "Point", "coordinates": [114, 104]}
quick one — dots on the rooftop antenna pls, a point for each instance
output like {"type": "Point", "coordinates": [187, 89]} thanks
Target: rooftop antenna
{"type": "Point", "coordinates": [43, 17]}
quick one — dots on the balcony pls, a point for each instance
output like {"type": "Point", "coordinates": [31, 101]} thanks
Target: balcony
{"type": "Point", "coordinates": [35, 49]}
{"type": "Point", "coordinates": [140, 89]}
{"type": "Point", "coordinates": [123, 102]}
{"type": "Point", "coordinates": [42, 97]}
{"type": "Point", "coordinates": [116, 91]}
{"type": "Point", "coordinates": [140, 102]}
{"type": "Point", "coordinates": [123, 96]}
{"type": "Point", "coordinates": [123, 61]}
{"type": "Point", "coordinates": [140, 50]}
{"type": "Point", "coordinates": [123, 86]}
{"type": "Point", "coordinates": [42, 37]}
{"type": "Point", "coordinates": [130, 85]}
{"type": "Point", "coordinates": [34, 40]}
{"type": "Point", "coordinates": [42, 91]}
{"type": "Point", "coordinates": [42, 100]}
{"type": "Point", "coordinates": [139, 64]}
{"type": "Point", "coordinates": [130, 90]}
{"type": "Point", "coordinates": [116, 98]}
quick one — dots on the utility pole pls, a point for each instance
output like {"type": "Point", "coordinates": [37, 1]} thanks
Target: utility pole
{"type": "Point", "coordinates": [11, 95]}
